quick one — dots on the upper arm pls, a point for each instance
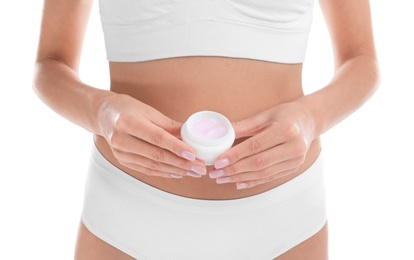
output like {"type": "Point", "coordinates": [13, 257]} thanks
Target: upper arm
{"type": "Point", "coordinates": [62, 30]}
{"type": "Point", "coordinates": [349, 24]}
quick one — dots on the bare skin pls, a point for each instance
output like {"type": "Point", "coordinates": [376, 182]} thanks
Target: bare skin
{"type": "Point", "coordinates": [207, 83]}
{"type": "Point", "coordinates": [136, 123]}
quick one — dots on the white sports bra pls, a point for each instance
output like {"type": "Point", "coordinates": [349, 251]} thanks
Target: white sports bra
{"type": "Point", "coordinates": [270, 30]}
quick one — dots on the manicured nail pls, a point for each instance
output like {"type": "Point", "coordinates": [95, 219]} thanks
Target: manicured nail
{"type": "Point", "coordinates": [216, 173]}
{"type": "Point", "coordinates": [193, 174]}
{"type": "Point", "coordinates": [176, 176]}
{"type": "Point", "coordinates": [221, 163]}
{"type": "Point", "coordinates": [198, 169]}
{"type": "Point", "coordinates": [223, 180]}
{"type": "Point", "coordinates": [242, 185]}
{"type": "Point", "coordinates": [188, 155]}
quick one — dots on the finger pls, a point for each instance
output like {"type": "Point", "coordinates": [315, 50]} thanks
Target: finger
{"type": "Point", "coordinates": [253, 183]}
{"type": "Point", "coordinates": [257, 162]}
{"type": "Point", "coordinates": [268, 174]}
{"type": "Point", "coordinates": [135, 149]}
{"type": "Point", "coordinates": [157, 136]}
{"type": "Point", "coordinates": [153, 168]}
{"type": "Point", "coordinates": [251, 146]}
{"type": "Point", "coordinates": [151, 172]}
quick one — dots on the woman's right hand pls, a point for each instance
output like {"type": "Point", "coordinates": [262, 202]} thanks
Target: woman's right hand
{"type": "Point", "coordinates": [145, 140]}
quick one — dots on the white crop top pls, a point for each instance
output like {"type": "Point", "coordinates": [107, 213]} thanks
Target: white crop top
{"type": "Point", "coordinates": [270, 30]}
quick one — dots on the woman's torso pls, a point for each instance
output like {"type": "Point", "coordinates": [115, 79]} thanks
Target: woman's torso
{"type": "Point", "coordinates": [178, 87]}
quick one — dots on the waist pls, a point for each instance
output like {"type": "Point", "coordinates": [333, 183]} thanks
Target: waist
{"type": "Point", "coordinates": [237, 88]}
{"type": "Point", "coordinates": [205, 187]}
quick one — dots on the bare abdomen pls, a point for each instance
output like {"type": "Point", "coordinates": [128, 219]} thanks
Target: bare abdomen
{"type": "Point", "coordinates": [178, 87]}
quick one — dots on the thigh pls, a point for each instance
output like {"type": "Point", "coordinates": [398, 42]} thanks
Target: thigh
{"type": "Point", "coordinates": [90, 247]}
{"type": "Point", "coordinates": [314, 248]}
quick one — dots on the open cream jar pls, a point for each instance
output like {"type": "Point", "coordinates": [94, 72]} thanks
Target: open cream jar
{"type": "Point", "coordinates": [209, 133]}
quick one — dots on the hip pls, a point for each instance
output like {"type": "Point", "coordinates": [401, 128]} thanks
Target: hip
{"type": "Point", "coordinates": [135, 217]}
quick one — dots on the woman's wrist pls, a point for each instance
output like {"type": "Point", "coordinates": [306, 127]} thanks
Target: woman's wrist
{"type": "Point", "coordinates": [103, 110]}
{"type": "Point", "coordinates": [308, 119]}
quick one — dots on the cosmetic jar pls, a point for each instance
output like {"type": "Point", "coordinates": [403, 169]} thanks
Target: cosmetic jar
{"type": "Point", "coordinates": [209, 133]}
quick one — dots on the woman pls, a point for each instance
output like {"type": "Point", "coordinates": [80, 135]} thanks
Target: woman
{"type": "Point", "coordinates": [147, 195]}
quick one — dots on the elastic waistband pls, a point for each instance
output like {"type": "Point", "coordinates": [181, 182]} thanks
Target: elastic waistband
{"type": "Point", "coordinates": [312, 177]}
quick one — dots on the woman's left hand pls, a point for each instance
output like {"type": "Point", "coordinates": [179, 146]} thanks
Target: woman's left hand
{"type": "Point", "coordinates": [279, 140]}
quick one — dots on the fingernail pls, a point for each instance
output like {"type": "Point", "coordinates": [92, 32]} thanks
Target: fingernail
{"type": "Point", "coordinates": [176, 176]}
{"type": "Point", "coordinates": [223, 180]}
{"type": "Point", "coordinates": [198, 169]}
{"type": "Point", "coordinates": [241, 186]}
{"type": "Point", "coordinates": [193, 174]}
{"type": "Point", "coordinates": [188, 155]}
{"type": "Point", "coordinates": [221, 163]}
{"type": "Point", "coordinates": [216, 173]}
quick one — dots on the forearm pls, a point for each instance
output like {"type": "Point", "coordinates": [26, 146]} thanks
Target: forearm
{"type": "Point", "coordinates": [59, 87]}
{"type": "Point", "coordinates": [353, 84]}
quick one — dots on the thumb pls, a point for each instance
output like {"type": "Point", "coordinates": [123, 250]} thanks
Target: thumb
{"type": "Point", "coordinates": [170, 125]}
{"type": "Point", "coordinates": [250, 126]}
{"type": "Point", "coordinates": [173, 127]}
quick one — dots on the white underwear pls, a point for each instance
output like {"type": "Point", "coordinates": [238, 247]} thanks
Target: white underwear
{"type": "Point", "coordinates": [150, 224]}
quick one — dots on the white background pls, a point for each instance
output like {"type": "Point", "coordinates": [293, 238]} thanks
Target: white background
{"type": "Point", "coordinates": [368, 157]}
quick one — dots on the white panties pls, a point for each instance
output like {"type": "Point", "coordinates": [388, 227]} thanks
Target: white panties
{"type": "Point", "coordinates": [150, 224]}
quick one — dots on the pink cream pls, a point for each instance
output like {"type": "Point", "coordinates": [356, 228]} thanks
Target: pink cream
{"type": "Point", "coordinates": [209, 133]}
{"type": "Point", "coordinates": [209, 128]}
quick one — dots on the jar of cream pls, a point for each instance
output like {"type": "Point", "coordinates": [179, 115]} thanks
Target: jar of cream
{"type": "Point", "coordinates": [209, 133]}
